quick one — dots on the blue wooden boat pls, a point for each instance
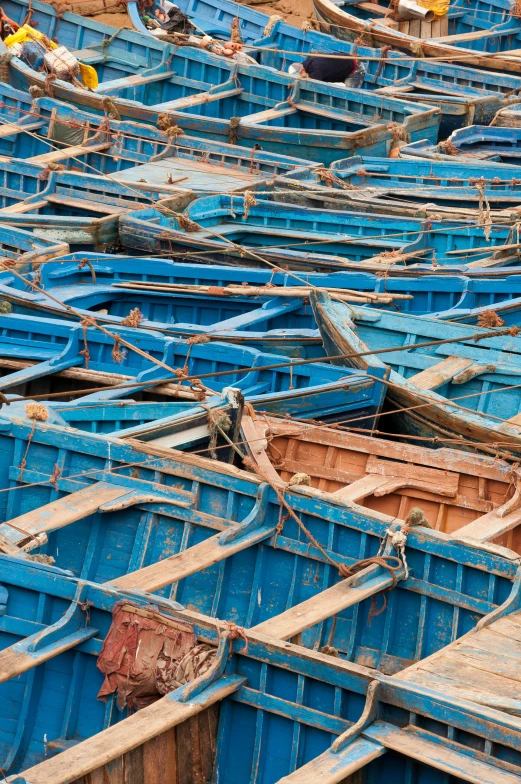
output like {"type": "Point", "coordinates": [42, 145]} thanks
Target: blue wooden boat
{"type": "Point", "coordinates": [74, 208]}
{"type": "Point", "coordinates": [188, 300]}
{"type": "Point", "coordinates": [142, 80]}
{"type": "Point", "coordinates": [141, 155]}
{"type": "Point", "coordinates": [413, 188]}
{"type": "Point", "coordinates": [41, 349]}
{"type": "Point", "coordinates": [26, 250]}
{"type": "Point", "coordinates": [310, 238]}
{"type": "Point", "coordinates": [256, 694]}
{"type": "Point", "coordinates": [476, 143]}
{"type": "Point", "coordinates": [464, 95]}
{"type": "Point", "coordinates": [485, 34]}
{"type": "Point", "coordinates": [189, 501]}
{"type": "Point", "coordinates": [461, 389]}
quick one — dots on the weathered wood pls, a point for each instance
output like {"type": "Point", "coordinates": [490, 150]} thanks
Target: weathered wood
{"type": "Point", "coordinates": [194, 559]}
{"type": "Point", "coordinates": [439, 755]}
{"type": "Point", "coordinates": [334, 768]}
{"type": "Point", "coordinates": [325, 604]}
{"type": "Point", "coordinates": [62, 512]}
{"type": "Point", "coordinates": [490, 526]}
{"type": "Point", "coordinates": [68, 152]}
{"type": "Point", "coordinates": [118, 740]}
{"type": "Point", "coordinates": [22, 206]}
{"type": "Point", "coordinates": [440, 373]}
{"type": "Point", "coordinates": [10, 129]}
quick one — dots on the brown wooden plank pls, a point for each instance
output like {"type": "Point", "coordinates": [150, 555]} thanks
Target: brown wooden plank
{"type": "Point", "coordinates": [68, 152]}
{"type": "Point", "coordinates": [471, 676]}
{"type": "Point", "coordinates": [85, 204]}
{"type": "Point", "coordinates": [490, 526]}
{"type": "Point", "coordinates": [323, 605]}
{"type": "Point", "coordinates": [159, 758]}
{"type": "Point", "coordinates": [62, 512]}
{"type": "Point", "coordinates": [20, 207]}
{"type": "Point", "coordinates": [134, 770]}
{"type": "Point", "coordinates": [440, 373]}
{"type": "Point", "coordinates": [108, 747]}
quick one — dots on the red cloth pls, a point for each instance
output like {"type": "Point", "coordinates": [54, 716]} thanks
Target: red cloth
{"type": "Point", "coordinates": [128, 658]}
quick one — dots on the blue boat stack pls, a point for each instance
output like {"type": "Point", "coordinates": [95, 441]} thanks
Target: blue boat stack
{"type": "Point", "coordinates": [260, 392]}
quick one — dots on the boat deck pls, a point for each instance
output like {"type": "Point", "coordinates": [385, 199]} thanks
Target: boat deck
{"type": "Point", "coordinates": [483, 666]}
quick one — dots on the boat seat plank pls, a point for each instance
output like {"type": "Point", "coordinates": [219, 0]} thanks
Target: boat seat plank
{"type": "Point", "coordinates": [196, 100]}
{"type": "Point", "coordinates": [136, 80]}
{"type": "Point", "coordinates": [14, 662]}
{"type": "Point", "coordinates": [194, 559]}
{"type": "Point", "coordinates": [146, 724]}
{"type": "Point", "coordinates": [61, 512]}
{"type": "Point", "coordinates": [10, 129]}
{"type": "Point", "coordinates": [437, 754]}
{"type": "Point", "coordinates": [440, 373]}
{"type": "Point", "coordinates": [22, 206]}
{"type": "Point", "coordinates": [85, 204]}
{"type": "Point", "coordinates": [325, 604]}
{"type": "Point", "coordinates": [491, 640]}
{"type": "Point", "coordinates": [503, 665]}
{"type": "Point", "coordinates": [68, 152]}
{"type": "Point", "coordinates": [489, 527]}
{"type": "Point", "coordinates": [334, 767]}
{"type": "Point", "coordinates": [361, 488]}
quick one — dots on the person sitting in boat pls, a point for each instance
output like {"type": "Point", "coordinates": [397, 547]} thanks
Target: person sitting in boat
{"type": "Point", "coordinates": [336, 70]}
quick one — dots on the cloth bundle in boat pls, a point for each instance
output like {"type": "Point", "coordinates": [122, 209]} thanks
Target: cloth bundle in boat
{"type": "Point", "coordinates": [146, 655]}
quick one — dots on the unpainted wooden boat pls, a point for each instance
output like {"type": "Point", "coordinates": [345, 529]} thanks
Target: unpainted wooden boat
{"type": "Point", "coordinates": [226, 227]}
{"type": "Point", "coordinates": [464, 95]}
{"type": "Point", "coordinates": [452, 190]}
{"type": "Point", "coordinates": [215, 98]}
{"type": "Point", "coordinates": [477, 143]}
{"type": "Point", "coordinates": [467, 496]}
{"type": "Point", "coordinates": [450, 384]}
{"type": "Point", "coordinates": [484, 35]}
{"type": "Point", "coordinates": [70, 359]}
{"type": "Point", "coordinates": [139, 155]}
{"type": "Point", "coordinates": [253, 693]}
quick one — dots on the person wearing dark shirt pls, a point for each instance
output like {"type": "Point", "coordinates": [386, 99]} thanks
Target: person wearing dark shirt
{"type": "Point", "coordinates": [328, 69]}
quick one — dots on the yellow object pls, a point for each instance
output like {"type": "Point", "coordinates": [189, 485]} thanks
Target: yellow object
{"type": "Point", "coordinates": [89, 75]}
{"type": "Point", "coordinates": [439, 7]}
{"type": "Point", "coordinates": [27, 33]}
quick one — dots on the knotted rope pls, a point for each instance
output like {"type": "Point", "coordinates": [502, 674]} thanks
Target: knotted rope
{"type": "Point", "coordinates": [272, 21]}
{"type": "Point", "coordinates": [234, 128]}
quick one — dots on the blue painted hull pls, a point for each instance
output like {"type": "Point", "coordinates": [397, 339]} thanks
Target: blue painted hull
{"type": "Point", "coordinates": [481, 143]}
{"type": "Point", "coordinates": [306, 238]}
{"type": "Point", "coordinates": [243, 91]}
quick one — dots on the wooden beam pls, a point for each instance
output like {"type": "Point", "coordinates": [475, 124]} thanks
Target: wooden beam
{"type": "Point", "coordinates": [134, 731]}
{"type": "Point", "coordinates": [10, 129]}
{"type": "Point", "coordinates": [335, 768]}
{"type": "Point", "coordinates": [489, 526]}
{"type": "Point", "coordinates": [68, 152]}
{"type": "Point", "coordinates": [438, 754]}
{"type": "Point", "coordinates": [326, 603]}
{"type": "Point", "coordinates": [194, 559]}
{"type": "Point", "coordinates": [440, 373]}
{"type": "Point", "coordinates": [62, 512]}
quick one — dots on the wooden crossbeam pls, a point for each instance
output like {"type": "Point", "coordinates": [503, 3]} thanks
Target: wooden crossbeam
{"type": "Point", "coordinates": [146, 724]}
{"type": "Point", "coordinates": [327, 603]}
{"type": "Point", "coordinates": [10, 129]}
{"type": "Point", "coordinates": [440, 373]}
{"type": "Point", "coordinates": [68, 152]}
{"type": "Point", "coordinates": [60, 513]}
{"type": "Point", "coordinates": [335, 768]}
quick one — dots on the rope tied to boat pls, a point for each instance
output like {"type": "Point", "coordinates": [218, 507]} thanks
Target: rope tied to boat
{"type": "Point", "coordinates": [306, 26]}
{"type": "Point", "coordinates": [50, 167]}
{"type": "Point", "coordinates": [329, 179]}
{"type": "Point", "coordinates": [234, 128]}
{"type": "Point", "coordinates": [110, 108]}
{"type": "Point", "coordinates": [118, 353]}
{"type": "Point", "coordinates": [89, 264]}
{"type": "Point", "coordinates": [489, 318]}
{"type": "Point", "coordinates": [219, 422]}
{"type": "Point", "coordinates": [47, 85]}
{"type": "Point", "coordinates": [133, 319]}
{"type": "Point", "coordinates": [272, 21]}
{"type": "Point", "coordinates": [448, 147]}
{"type": "Point", "coordinates": [235, 31]}
{"type": "Point", "coordinates": [187, 224]}
{"type": "Point", "coordinates": [249, 202]}
{"type": "Point", "coordinates": [484, 213]}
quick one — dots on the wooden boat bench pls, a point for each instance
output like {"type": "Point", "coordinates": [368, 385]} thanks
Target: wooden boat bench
{"type": "Point", "coordinates": [136, 80]}
{"type": "Point", "coordinates": [197, 99]}
{"type": "Point", "coordinates": [30, 529]}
